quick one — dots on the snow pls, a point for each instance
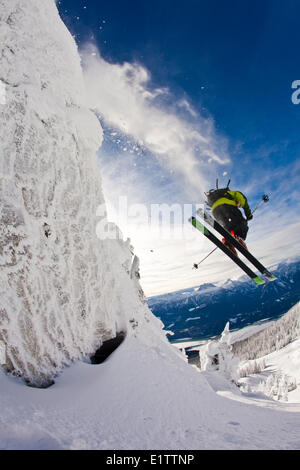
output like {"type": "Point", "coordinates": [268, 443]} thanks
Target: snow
{"type": "Point", "coordinates": [247, 331]}
{"type": "Point", "coordinates": [285, 364]}
{"type": "Point", "coordinates": [188, 344]}
{"type": "Point", "coordinates": [275, 374]}
{"type": "Point", "coordinates": [234, 335]}
{"type": "Point", "coordinates": [145, 396]}
{"type": "Point", "coordinates": [63, 289]}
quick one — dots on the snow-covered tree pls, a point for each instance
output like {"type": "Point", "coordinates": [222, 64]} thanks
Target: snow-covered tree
{"type": "Point", "coordinates": [218, 356]}
{"type": "Point", "coordinates": [277, 335]}
{"type": "Point", "coordinates": [251, 367]}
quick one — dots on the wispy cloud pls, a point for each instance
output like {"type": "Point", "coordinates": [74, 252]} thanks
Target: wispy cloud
{"type": "Point", "coordinates": [124, 98]}
{"type": "Point", "coordinates": [183, 150]}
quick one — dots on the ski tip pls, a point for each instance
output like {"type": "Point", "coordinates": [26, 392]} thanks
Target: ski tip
{"type": "Point", "coordinates": [271, 278]}
{"type": "Point", "coordinates": [197, 224]}
{"type": "Point", "coordinates": [258, 280]}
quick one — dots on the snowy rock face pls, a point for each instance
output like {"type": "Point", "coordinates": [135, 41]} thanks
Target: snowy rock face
{"type": "Point", "coordinates": [62, 290]}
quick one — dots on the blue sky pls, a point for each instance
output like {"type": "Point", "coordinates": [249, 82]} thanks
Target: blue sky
{"type": "Point", "coordinates": [189, 91]}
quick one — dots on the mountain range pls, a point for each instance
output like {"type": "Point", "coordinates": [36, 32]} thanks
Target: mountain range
{"type": "Point", "coordinates": [201, 312]}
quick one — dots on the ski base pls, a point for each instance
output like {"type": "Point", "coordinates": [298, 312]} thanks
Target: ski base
{"type": "Point", "coordinates": [208, 234]}
{"type": "Point", "coordinates": [219, 228]}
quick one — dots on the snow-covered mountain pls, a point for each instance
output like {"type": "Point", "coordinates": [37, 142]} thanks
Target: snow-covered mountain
{"type": "Point", "coordinates": [202, 312]}
{"type": "Point", "coordinates": [63, 291]}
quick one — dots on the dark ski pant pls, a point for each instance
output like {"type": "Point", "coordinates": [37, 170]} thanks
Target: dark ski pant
{"type": "Point", "coordinates": [230, 217]}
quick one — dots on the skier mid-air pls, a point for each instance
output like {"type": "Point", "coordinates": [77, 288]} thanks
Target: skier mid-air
{"type": "Point", "coordinates": [225, 205]}
{"type": "Point", "coordinates": [229, 222]}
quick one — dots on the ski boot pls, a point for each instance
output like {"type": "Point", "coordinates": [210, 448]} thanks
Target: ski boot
{"type": "Point", "coordinates": [239, 239]}
{"type": "Point", "coordinates": [231, 248]}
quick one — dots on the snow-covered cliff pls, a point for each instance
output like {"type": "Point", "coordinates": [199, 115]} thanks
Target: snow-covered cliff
{"type": "Point", "coordinates": [62, 289]}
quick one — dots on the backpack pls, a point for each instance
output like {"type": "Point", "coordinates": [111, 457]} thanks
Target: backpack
{"type": "Point", "coordinates": [214, 194]}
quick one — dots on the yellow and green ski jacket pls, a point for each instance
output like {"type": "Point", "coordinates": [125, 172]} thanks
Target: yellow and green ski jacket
{"type": "Point", "coordinates": [237, 199]}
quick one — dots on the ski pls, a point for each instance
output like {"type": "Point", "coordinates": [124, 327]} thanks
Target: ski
{"type": "Point", "coordinates": [222, 231]}
{"type": "Point", "coordinates": [208, 234]}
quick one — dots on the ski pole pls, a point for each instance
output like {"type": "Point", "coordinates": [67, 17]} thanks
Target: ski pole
{"type": "Point", "coordinates": [197, 264]}
{"type": "Point", "coordinates": [265, 198]}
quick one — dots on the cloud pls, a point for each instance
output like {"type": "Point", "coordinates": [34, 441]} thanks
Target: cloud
{"type": "Point", "coordinates": [122, 96]}
{"type": "Point", "coordinates": [183, 150]}
{"type": "Point", "coordinates": [187, 106]}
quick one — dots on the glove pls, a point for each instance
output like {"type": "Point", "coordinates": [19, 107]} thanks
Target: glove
{"type": "Point", "coordinates": [250, 217]}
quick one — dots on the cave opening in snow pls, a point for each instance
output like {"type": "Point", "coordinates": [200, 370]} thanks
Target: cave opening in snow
{"type": "Point", "coordinates": [107, 348]}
